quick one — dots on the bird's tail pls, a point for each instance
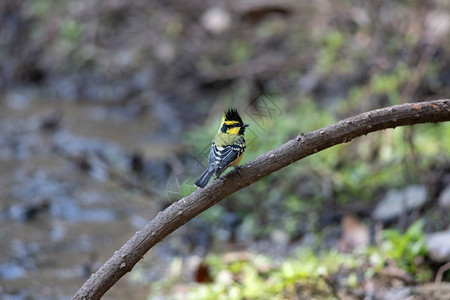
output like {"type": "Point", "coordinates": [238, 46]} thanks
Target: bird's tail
{"type": "Point", "coordinates": [204, 178]}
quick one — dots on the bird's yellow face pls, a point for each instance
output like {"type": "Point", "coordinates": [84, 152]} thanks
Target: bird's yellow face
{"type": "Point", "coordinates": [232, 127]}
{"type": "Point", "coordinates": [232, 124]}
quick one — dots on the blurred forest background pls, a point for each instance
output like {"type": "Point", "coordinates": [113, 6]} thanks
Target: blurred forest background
{"type": "Point", "coordinates": [107, 110]}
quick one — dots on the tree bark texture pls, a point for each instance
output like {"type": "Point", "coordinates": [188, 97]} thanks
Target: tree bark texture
{"type": "Point", "coordinates": [301, 146]}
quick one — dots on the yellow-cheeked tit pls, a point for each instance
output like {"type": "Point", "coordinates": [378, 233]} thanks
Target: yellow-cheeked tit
{"type": "Point", "coordinates": [227, 148]}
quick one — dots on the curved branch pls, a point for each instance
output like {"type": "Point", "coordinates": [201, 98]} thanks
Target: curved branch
{"type": "Point", "coordinates": [303, 145]}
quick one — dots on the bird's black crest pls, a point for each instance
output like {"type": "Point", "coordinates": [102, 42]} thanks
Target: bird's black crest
{"type": "Point", "coordinates": [232, 115]}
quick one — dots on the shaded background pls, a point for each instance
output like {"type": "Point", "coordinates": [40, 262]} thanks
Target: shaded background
{"type": "Point", "coordinates": [107, 109]}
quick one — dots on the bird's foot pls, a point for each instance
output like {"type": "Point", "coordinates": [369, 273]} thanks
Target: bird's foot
{"type": "Point", "coordinates": [238, 170]}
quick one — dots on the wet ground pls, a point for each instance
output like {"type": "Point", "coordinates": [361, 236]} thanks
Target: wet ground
{"type": "Point", "coordinates": [64, 208]}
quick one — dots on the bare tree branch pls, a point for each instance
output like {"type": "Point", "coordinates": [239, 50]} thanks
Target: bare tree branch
{"type": "Point", "coordinates": [303, 145]}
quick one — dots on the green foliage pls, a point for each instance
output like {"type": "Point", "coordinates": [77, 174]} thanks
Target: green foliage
{"type": "Point", "coordinates": [246, 276]}
{"type": "Point", "coordinates": [405, 249]}
{"type": "Point", "coordinates": [40, 8]}
{"type": "Point", "coordinates": [390, 84]}
{"type": "Point", "coordinates": [432, 140]}
{"type": "Point", "coordinates": [328, 55]}
{"type": "Point", "coordinates": [260, 277]}
{"type": "Point", "coordinates": [240, 52]}
{"type": "Point", "coordinates": [71, 30]}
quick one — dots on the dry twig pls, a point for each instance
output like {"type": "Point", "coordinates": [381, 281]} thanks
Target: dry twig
{"type": "Point", "coordinates": [439, 275]}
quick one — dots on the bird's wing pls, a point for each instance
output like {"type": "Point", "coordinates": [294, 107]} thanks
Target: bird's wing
{"type": "Point", "coordinates": [227, 154]}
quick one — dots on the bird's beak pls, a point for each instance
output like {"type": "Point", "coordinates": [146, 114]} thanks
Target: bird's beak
{"type": "Point", "coordinates": [245, 125]}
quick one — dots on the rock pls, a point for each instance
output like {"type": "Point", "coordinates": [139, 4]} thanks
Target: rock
{"type": "Point", "coordinates": [444, 198]}
{"type": "Point", "coordinates": [216, 20]}
{"type": "Point", "coordinates": [438, 245]}
{"type": "Point", "coordinates": [403, 292]}
{"type": "Point", "coordinates": [17, 101]}
{"type": "Point", "coordinates": [437, 24]}
{"type": "Point", "coordinates": [12, 271]}
{"type": "Point", "coordinates": [397, 202]}
{"type": "Point", "coordinates": [279, 238]}
{"type": "Point", "coordinates": [165, 51]}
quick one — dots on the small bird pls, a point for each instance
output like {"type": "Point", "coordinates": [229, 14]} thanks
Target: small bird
{"type": "Point", "coordinates": [227, 148]}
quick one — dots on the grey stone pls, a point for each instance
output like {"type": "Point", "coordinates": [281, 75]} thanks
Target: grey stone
{"type": "Point", "coordinates": [444, 198]}
{"type": "Point", "coordinates": [438, 245]}
{"type": "Point", "coordinates": [396, 202]}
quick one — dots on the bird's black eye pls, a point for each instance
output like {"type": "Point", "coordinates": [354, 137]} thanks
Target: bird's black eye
{"type": "Point", "coordinates": [223, 128]}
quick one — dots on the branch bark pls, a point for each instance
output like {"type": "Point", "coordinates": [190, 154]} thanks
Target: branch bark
{"type": "Point", "coordinates": [303, 145]}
